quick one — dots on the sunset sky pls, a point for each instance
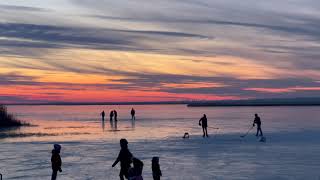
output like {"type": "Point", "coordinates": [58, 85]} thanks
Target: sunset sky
{"type": "Point", "coordinates": [158, 50]}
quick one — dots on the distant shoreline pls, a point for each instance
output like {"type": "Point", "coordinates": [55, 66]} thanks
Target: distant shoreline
{"type": "Point", "coordinates": [259, 102]}
{"type": "Point", "coordinates": [247, 105]}
{"type": "Point", "coordinates": [222, 103]}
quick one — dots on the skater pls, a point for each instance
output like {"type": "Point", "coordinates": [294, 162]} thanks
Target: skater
{"type": "Point", "coordinates": [156, 172]}
{"type": "Point", "coordinates": [135, 173]}
{"type": "Point", "coordinates": [103, 114]}
{"type": "Point", "coordinates": [133, 114]}
{"type": "Point", "coordinates": [111, 115]}
{"type": "Point", "coordinates": [124, 157]}
{"type": "Point", "coordinates": [257, 121]}
{"type": "Point", "coordinates": [115, 115]}
{"type": "Point", "coordinates": [204, 123]}
{"type": "Point", "coordinates": [56, 161]}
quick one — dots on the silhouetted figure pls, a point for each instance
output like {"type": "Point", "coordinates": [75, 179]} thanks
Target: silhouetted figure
{"type": "Point", "coordinates": [115, 113]}
{"type": "Point", "coordinates": [133, 114]}
{"type": "Point", "coordinates": [156, 172]}
{"type": "Point", "coordinates": [186, 135]}
{"type": "Point", "coordinates": [111, 115]}
{"type": "Point", "coordinates": [257, 121]}
{"type": "Point", "coordinates": [56, 161]}
{"type": "Point", "coordinates": [124, 157]}
{"type": "Point", "coordinates": [204, 123]}
{"type": "Point", "coordinates": [103, 114]}
{"type": "Point", "coordinates": [135, 173]}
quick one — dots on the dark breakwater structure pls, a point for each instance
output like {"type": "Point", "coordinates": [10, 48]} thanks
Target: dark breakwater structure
{"type": "Point", "coordinates": [260, 102]}
{"type": "Point", "coordinates": [7, 119]}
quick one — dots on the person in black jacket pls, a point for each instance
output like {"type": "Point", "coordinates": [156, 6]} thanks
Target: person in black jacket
{"type": "Point", "coordinates": [204, 123]}
{"type": "Point", "coordinates": [125, 159]}
{"type": "Point", "coordinates": [257, 121]}
{"type": "Point", "coordinates": [156, 172]}
{"type": "Point", "coordinates": [56, 161]}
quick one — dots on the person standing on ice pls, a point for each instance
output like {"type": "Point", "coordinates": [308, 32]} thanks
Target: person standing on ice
{"type": "Point", "coordinates": [133, 114]}
{"type": "Point", "coordinates": [156, 172]}
{"type": "Point", "coordinates": [115, 115]}
{"type": "Point", "coordinates": [103, 114]}
{"type": "Point", "coordinates": [204, 123]}
{"type": "Point", "coordinates": [125, 159]}
{"type": "Point", "coordinates": [257, 121]}
{"type": "Point", "coordinates": [111, 115]}
{"type": "Point", "coordinates": [56, 161]}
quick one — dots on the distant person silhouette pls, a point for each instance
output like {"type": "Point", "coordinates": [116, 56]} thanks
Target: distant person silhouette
{"type": "Point", "coordinates": [111, 115]}
{"type": "Point", "coordinates": [125, 159]}
{"type": "Point", "coordinates": [133, 114]}
{"type": "Point", "coordinates": [135, 173]}
{"type": "Point", "coordinates": [115, 113]}
{"type": "Point", "coordinates": [257, 121]}
{"type": "Point", "coordinates": [103, 114]}
{"type": "Point", "coordinates": [56, 161]}
{"type": "Point", "coordinates": [156, 172]}
{"type": "Point", "coordinates": [204, 123]}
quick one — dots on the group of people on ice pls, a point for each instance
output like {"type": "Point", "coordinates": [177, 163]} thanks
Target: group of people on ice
{"type": "Point", "coordinates": [126, 158]}
{"type": "Point", "coordinates": [114, 115]}
{"type": "Point", "coordinates": [204, 123]}
{"type": "Point", "coordinates": [134, 173]}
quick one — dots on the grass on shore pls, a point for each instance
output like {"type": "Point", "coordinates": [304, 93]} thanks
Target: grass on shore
{"type": "Point", "coordinates": [7, 119]}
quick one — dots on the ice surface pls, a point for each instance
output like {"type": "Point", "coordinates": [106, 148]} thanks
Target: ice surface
{"type": "Point", "coordinates": [291, 151]}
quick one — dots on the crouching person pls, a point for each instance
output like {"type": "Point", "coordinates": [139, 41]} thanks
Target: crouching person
{"type": "Point", "coordinates": [135, 173]}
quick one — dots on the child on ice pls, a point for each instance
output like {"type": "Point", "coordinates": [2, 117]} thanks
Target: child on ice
{"type": "Point", "coordinates": [156, 172]}
{"type": "Point", "coordinates": [135, 173]}
{"type": "Point", "coordinates": [56, 161]}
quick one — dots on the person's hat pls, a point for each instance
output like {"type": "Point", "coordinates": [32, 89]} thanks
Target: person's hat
{"type": "Point", "coordinates": [57, 147]}
{"type": "Point", "coordinates": [123, 141]}
{"type": "Point", "coordinates": [155, 159]}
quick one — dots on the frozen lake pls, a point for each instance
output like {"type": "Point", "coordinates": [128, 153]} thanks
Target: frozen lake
{"type": "Point", "coordinates": [89, 146]}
